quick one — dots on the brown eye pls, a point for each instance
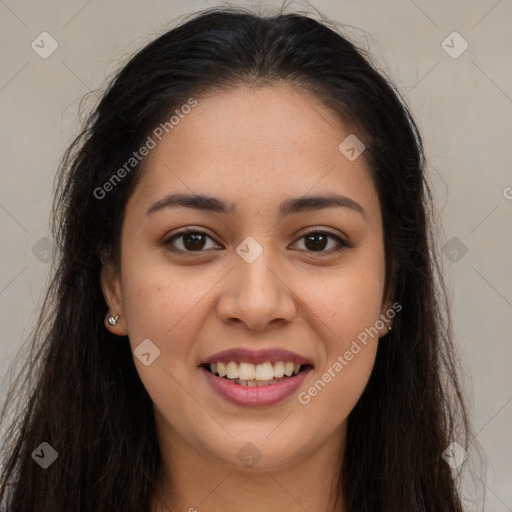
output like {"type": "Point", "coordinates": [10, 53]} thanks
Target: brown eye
{"type": "Point", "coordinates": [194, 240]}
{"type": "Point", "coordinates": [317, 241]}
{"type": "Point", "coordinates": [191, 240]}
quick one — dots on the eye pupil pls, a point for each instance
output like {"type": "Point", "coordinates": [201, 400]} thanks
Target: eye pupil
{"type": "Point", "coordinates": [196, 243]}
{"type": "Point", "coordinates": [318, 237]}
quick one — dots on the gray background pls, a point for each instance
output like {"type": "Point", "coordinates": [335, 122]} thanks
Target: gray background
{"type": "Point", "coordinates": [463, 107]}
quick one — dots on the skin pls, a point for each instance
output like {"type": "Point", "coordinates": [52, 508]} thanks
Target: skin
{"type": "Point", "coordinates": [255, 147]}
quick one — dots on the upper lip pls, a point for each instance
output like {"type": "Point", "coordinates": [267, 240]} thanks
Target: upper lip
{"type": "Point", "coordinates": [256, 356]}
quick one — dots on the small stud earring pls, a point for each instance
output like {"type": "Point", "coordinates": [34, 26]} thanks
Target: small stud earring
{"type": "Point", "coordinates": [390, 328]}
{"type": "Point", "coordinates": [112, 320]}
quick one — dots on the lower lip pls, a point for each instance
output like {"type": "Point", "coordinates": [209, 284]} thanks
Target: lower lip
{"type": "Point", "coordinates": [257, 395]}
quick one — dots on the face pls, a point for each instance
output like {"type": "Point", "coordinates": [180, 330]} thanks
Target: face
{"type": "Point", "coordinates": [267, 272]}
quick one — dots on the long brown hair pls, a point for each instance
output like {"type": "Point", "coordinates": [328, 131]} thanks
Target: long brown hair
{"type": "Point", "coordinates": [83, 395]}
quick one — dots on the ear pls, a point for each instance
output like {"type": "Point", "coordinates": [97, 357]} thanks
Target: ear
{"type": "Point", "coordinates": [112, 292]}
{"type": "Point", "coordinates": [385, 317]}
{"type": "Point", "coordinates": [388, 308]}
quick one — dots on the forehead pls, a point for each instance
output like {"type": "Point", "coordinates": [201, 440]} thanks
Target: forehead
{"type": "Point", "coordinates": [255, 146]}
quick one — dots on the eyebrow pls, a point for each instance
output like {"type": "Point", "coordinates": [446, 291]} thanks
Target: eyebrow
{"type": "Point", "coordinates": [288, 207]}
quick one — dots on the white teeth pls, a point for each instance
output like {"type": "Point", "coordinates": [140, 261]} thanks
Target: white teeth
{"type": "Point", "coordinates": [232, 370]}
{"type": "Point", "coordinates": [288, 369]}
{"type": "Point", "coordinates": [254, 375]}
{"type": "Point", "coordinates": [221, 369]}
{"type": "Point", "coordinates": [264, 371]}
{"type": "Point", "coordinates": [246, 371]}
{"type": "Point", "coordinates": [278, 369]}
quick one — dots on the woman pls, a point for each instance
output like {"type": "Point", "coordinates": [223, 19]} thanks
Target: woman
{"type": "Point", "coordinates": [247, 309]}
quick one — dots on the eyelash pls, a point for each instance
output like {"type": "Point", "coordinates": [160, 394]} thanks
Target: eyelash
{"type": "Point", "coordinates": [342, 245]}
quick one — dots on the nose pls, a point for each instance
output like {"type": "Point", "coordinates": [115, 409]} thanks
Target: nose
{"type": "Point", "coordinates": [256, 294]}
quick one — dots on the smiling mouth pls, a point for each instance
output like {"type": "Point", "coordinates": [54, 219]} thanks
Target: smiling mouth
{"type": "Point", "coordinates": [251, 375]}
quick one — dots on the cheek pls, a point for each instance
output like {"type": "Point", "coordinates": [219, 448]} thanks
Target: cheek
{"type": "Point", "coordinates": [160, 309]}
{"type": "Point", "coordinates": [347, 307]}
{"type": "Point", "coordinates": [333, 394]}
{"type": "Point", "coordinates": [156, 294]}
{"type": "Point", "coordinates": [159, 302]}
{"type": "Point", "coordinates": [350, 343]}
{"type": "Point", "coordinates": [348, 302]}
{"type": "Point", "coordinates": [347, 310]}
